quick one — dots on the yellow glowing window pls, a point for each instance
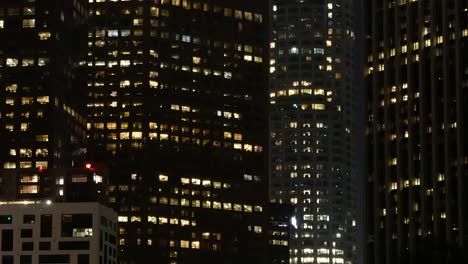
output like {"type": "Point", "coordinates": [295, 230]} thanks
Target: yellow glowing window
{"type": "Point", "coordinates": [206, 183]}
{"type": "Point", "coordinates": [163, 178]}
{"type": "Point", "coordinates": [227, 135]}
{"type": "Point", "coordinates": [29, 189]}
{"type": "Point", "coordinates": [124, 135]}
{"type": "Point", "coordinates": [137, 135]}
{"type": "Point", "coordinates": [196, 60]}
{"type": "Point", "coordinates": [318, 106]}
{"type": "Point", "coordinates": [29, 23]}
{"type": "Point", "coordinates": [196, 203]}
{"type": "Point", "coordinates": [206, 204]}
{"type": "Point", "coordinates": [184, 244]}
{"type": "Point", "coordinates": [42, 138]}
{"type": "Point", "coordinates": [216, 205]}
{"type": "Point", "coordinates": [43, 99]}
{"type": "Point", "coordinates": [237, 207]}
{"type": "Point", "coordinates": [185, 180]}
{"type": "Point", "coordinates": [152, 219]}
{"type": "Point", "coordinates": [111, 125]}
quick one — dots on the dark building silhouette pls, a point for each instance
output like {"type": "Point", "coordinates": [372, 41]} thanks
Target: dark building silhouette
{"type": "Point", "coordinates": [416, 84]}
{"type": "Point", "coordinates": [177, 94]}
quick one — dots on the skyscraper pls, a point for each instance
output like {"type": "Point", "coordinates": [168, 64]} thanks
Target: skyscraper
{"type": "Point", "coordinates": [312, 71]}
{"type": "Point", "coordinates": [41, 122]}
{"type": "Point", "coordinates": [416, 81]}
{"type": "Point", "coordinates": [177, 96]}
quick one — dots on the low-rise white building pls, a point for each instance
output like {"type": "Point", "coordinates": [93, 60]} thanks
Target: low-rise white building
{"type": "Point", "coordinates": [33, 232]}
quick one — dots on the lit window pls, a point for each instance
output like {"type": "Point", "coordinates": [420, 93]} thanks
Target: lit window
{"type": "Point", "coordinates": [44, 35]}
{"type": "Point", "coordinates": [29, 10]}
{"type": "Point", "coordinates": [122, 219]}
{"type": "Point", "coordinates": [318, 106]}
{"type": "Point", "coordinates": [184, 244]}
{"type": "Point", "coordinates": [135, 219]}
{"type": "Point", "coordinates": [124, 63]}
{"type": "Point", "coordinates": [163, 178]}
{"type": "Point", "coordinates": [25, 164]}
{"type": "Point", "coordinates": [216, 205]}
{"type": "Point", "coordinates": [41, 164]}
{"type": "Point", "coordinates": [42, 99]}
{"type": "Point", "coordinates": [11, 62]}
{"type": "Point", "coordinates": [152, 219]}
{"type": "Point", "coordinates": [42, 138]}
{"type": "Point", "coordinates": [42, 61]}
{"type": "Point", "coordinates": [2, 24]}
{"type": "Point", "coordinates": [9, 165]}
{"type": "Point", "coordinates": [29, 23]}
{"type": "Point", "coordinates": [29, 189]}
{"type": "Point", "coordinates": [113, 33]}
{"type": "Point", "coordinates": [196, 244]}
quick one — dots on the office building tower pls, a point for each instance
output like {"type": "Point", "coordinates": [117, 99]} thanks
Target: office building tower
{"type": "Point", "coordinates": [312, 77]}
{"type": "Point", "coordinates": [46, 232]}
{"type": "Point", "coordinates": [54, 184]}
{"type": "Point", "coordinates": [279, 226]}
{"type": "Point", "coordinates": [40, 119]}
{"type": "Point", "coordinates": [417, 87]}
{"type": "Point", "coordinates": [177, 94]}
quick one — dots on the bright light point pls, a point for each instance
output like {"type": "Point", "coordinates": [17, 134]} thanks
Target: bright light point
{"type": "Point", "coordinates": [88, 165]}
{"type": "Point", "coordinates": [294, 222]}
{"type": "Point", "coordinates": [48, 202]}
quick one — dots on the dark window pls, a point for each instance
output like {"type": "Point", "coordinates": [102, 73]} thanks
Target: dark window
{"type": "Point", "coordinates": [112, 239]}
{"type": "Point", "coordinates": [28, 246]}
{"type": "Point", "coordinates": [26, 259]}
{"type": "Point", "coordinates": [7, 260]}
{"type": "Point", "coordinates": [46, 225]}
{"type": "Point", "coordinates": [44, 245]}
{"type": "Point", "coordinates": [49, 259]}
{"type": "Point", "coordinates": [29, 219]}
{"type": "Point", "coordinates": [77, 225]}
{"type": "Point", "coordinates": [83, 259]}
{"type": "Point", "coordinates": [7, 240]}
{"type": "Point", "coordinates": [26, 233]}
{"type": "Point", "coordinates": [103, 221]}
{"type": "Point", "coordinates": [6, 219]}
{"type": "Point", "coordinates": [74, 245]}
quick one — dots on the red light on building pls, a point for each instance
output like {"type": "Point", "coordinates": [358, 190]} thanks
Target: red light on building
{"type": "Point", "coordinates": [40, 169]}
{"type": "Point", "coordinates": [88, 165]}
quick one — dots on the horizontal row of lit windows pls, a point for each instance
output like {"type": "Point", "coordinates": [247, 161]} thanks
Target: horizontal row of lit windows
{"type": "Point", "coordinates": [163, 65]}
{"type": "Point", "coordinates": [188, 4]}
{"type": "Point", "coordinates": [291, 92]}
{"type": "Point", "coordinates": [26, 100]}
{"type": "Point", "coordinates": [25, 62]}
{"type": "Point", "coordinates": [27, 23]}
{"type": "Point", "coordinates": [278, 242]}
{"type": "Point", "coordinates": [25, 164]}
{"type": "Point", "coordinates": [185, 244]}
{"type": "Point", "coordinates": [27, 152]}
{"type": "Point", "coordinates": [208, 204]}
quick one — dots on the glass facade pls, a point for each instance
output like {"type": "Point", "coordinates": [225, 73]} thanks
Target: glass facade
{"type": "Point", "coordinates": [177, 94]}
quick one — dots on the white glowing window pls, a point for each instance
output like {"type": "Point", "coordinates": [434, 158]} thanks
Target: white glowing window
{"type": "Point", "coordinates": [113, 33]}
